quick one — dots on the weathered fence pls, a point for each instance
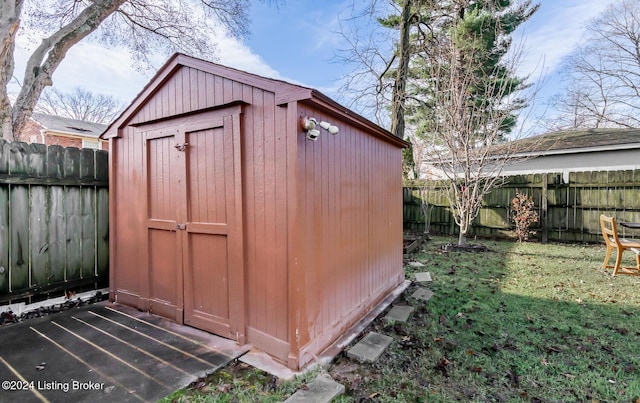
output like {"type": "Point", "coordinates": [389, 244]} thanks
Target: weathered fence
{"type": "Point", "coordinates": [569, 207]}
{"type": "Point", "coordinates": [54, 221]}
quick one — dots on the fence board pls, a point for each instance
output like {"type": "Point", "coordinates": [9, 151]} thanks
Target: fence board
{"type": "Point", "coordinates": [102, 232]}
{"type": "Point", "coordinates": [54, 220]}
{"type": "Point", "coordinates": [572, 209]}
{"type": "Point", "coordinates": [58, 234]}
{"type": "Point", "coordinates": [88, 247]}
{"type": "Point", "coordinates": [4, 240]}
{"type": "Point", "coordinates": [73, 207]}
{"type": "Point", "coordinates": [19, 238]}
{"type": "Point", "coordinates": [40, 257]}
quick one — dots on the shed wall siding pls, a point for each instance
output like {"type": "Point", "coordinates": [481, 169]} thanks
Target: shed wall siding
{"type": "Point", "coordinates": [264, 189]}
{"type": "Point", "coordinates": [129, 215]}
{"type": "Point", "coordinates": [350, 221]}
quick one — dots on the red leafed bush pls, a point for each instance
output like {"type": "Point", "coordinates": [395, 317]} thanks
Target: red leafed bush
{"type": "Point", "coordinates": [523, 214]}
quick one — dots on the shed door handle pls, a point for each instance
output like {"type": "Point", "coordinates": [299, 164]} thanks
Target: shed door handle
{"type": "Point", "coordinates": [181, 226]}
{"type": "Point", "coordinates": [181, 147]}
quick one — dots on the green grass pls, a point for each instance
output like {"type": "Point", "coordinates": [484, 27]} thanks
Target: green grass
{"type": "Point", "coordinates": [521, 322]}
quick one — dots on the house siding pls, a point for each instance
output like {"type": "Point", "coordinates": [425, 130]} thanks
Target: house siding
{"type": "Point", "coordinates": [33, 133]}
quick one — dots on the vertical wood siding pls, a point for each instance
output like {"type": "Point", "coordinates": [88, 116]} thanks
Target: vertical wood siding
{"type": "Point", "coordinates": [322, 220]}
{"type": "Point", "coordinates": [53, 220]}
{"type": "Point", "coordinates": [264, 188]}
{"type": "Point", "coordinates": [350, 221]}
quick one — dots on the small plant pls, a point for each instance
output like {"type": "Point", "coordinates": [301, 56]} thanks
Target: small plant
{"type": "Point", "coordinates": [523, 215]}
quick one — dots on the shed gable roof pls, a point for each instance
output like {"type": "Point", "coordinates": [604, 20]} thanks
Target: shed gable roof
{"type": "Point", "coordinates": [285, 92]}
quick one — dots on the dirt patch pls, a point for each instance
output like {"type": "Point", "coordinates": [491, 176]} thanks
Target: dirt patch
{"type": "Point", "coordinates": [449, 247]}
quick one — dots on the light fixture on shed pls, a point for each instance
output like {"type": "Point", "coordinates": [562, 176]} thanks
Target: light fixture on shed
{"type": "Point", "coordinates": [313, 134]}
{"type": "Point", "coordinates": [329, 127]}
{"type": "Point", "coordinates": [309, 125]}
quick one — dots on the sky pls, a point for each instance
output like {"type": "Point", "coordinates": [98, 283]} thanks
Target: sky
{"type": "Point", "coordinates": [297, 42]}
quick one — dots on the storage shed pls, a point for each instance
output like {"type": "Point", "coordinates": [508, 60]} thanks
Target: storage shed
{"type": "Point", "coordinates": [227, 216]}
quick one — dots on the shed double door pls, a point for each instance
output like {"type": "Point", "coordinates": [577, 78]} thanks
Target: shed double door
{"type": "Point", "coordinates": [194, 224]}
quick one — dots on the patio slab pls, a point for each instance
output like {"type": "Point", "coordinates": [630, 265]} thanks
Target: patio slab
{"type": "Point", "coordinates": [323, 389]}
{"type": "Point", "coordinates": [399, 313]}
{"type": "Point", "coordinates": [106, 352]}
{"type": "Point", "coordinates": [370, 348]}
{"type": "Point", "coordinates": [424, 277]}
{"type": "Point", "coordinates": [424, 294]}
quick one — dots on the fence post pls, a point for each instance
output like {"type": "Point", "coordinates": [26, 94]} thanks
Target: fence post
{"type": "Point", "coordinates": [544, 208]}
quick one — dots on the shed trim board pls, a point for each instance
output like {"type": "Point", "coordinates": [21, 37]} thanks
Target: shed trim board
{"type": "Point", "coordinates": [226, 218]}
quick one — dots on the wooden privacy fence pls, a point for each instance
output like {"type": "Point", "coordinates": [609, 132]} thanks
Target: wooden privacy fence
{"type": "Point", "coordinates": [54, 220]}
{"type": "Point", "coordinates": [569, 205]}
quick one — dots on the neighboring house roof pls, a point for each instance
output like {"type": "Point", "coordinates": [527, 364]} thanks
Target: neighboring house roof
{"type": "Point", "coordinates": [567, 151]}
{"type": "Point", "coordinates": [62, 125]}
{"type": "Point", "coordinates": [578, 141]}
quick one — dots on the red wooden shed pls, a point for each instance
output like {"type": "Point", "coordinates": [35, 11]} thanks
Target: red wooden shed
{"type": "Point", "coordinates": [226, 217]}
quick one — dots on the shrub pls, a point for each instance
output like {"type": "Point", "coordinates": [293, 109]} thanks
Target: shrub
{"type": "Point", "coordinates": [523, 215]}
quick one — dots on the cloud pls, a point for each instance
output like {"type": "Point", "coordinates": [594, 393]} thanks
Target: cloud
{"type": "Point", "coordinates": [554, 31]}
{"type": "Point", "coordinates": [109, 70]}
{"type": "Point", "coordinates": [234, 53]}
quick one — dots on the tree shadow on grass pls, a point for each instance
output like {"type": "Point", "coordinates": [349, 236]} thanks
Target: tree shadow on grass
{"type": "Point", "coordinates": [496, 331]}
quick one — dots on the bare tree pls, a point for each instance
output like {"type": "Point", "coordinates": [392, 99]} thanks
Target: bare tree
{"type": "Point", "coordinates": [465, 97]}
{"type": "Point", "coordinates": [142, 26]}
{"type": "Point", "coordinates": [461, 95]}
{"type": "Point", "coordinates": [80, 104]}
{"type": "Point", "coordinates": [370, 53]}
{"type": "Point", "coordinates": [603, 75]}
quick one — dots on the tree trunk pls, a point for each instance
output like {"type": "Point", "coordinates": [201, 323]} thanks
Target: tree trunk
{"type": "Point", "coordinates": [399, 90]}
{"type": "Point", "coordinates": [9, 23]}
{"type": "Point", "coordinates": [462, 238]}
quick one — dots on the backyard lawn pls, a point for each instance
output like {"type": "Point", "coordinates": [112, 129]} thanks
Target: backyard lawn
{"type": "Point", "coordinates": [520, 322]}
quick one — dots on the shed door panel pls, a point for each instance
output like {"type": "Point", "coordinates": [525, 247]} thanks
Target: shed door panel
{"type": "Point", "coordinates": [161, 224]}
{"type": "Point", "coordinates": [209, 192]}
{"type": "Point", "coordinates": [194, 195]}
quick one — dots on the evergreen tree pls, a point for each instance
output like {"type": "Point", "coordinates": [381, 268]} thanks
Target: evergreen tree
{"type": "Point", "coordinates": [462, 91]}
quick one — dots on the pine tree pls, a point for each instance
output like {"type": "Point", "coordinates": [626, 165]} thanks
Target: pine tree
{"type": "Point", "coordinates": [462, 92]}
